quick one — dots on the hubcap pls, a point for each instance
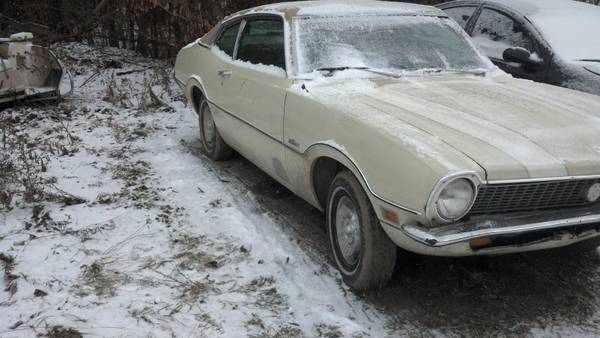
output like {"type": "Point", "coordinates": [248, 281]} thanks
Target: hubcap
{"type": "Point", "coordinates": [347, 226]}
{"type": "Point", "coordinates": [208, 127]}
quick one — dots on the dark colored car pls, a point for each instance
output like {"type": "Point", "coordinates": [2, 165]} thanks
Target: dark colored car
{"type": "Point", "coordinates": [550, 41]}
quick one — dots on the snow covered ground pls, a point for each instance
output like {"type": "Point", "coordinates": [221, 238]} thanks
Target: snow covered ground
{"type": "Point", "coordinates": [129, 231]}
{"type": "Point", "coordinates": [150, 240]}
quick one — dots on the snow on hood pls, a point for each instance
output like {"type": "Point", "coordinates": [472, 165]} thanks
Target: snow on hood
{"type": "Point", "coordinates": [512, 128]}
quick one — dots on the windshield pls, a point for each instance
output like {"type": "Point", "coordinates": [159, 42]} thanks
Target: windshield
{"type": "Point", "coordinates": [573, 36]}
{"type": "Point", "coordinates": [396, 43]}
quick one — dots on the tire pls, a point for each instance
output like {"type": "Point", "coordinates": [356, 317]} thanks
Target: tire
{"type": "Point", "coordinates": [363, 252]}
{"type": "Point", "coordinates": [212, 142]}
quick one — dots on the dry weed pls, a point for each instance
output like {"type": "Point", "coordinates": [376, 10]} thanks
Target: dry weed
{"type": "Point", "coordinates": [10, 279]}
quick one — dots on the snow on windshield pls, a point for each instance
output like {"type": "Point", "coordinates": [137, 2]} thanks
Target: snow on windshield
{"type": "Point", "coordinates": [404, 43]}
{"type": "Point", "coordinates": [573, 35]}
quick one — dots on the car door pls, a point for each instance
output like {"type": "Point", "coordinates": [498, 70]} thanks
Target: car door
{"type": "Point", "coordinates": [254, 92]}
{"type": "Point", "coordinates": [495, 31]}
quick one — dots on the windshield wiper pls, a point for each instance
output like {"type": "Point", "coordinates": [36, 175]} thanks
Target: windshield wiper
{"type": "Point", "coordinates": [332, 70]}
{"type": "Point", "coordinates": [589, 60]}
{"type": "Point", "coordinates": [457, 71]}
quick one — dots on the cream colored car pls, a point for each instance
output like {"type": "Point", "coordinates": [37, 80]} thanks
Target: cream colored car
{"type": "Point", "coordinates": [386, 117]}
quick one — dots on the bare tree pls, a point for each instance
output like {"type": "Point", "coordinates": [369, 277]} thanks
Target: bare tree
{"type": "Point", "coordinates": [157, 28]}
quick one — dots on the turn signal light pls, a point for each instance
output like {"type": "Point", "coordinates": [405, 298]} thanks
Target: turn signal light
{"type": "Point", "coordinates": [480, 242]}
{"type": "Point", "coordinates": [390, 216]}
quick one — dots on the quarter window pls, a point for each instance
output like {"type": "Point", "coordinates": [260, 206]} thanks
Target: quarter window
{"type": "Point", "coordinates": [262, 42]}
{"type": "Point", "coordinates": [495, 32]}
{"type": "Point", "coordinates": [227, 40]}
{"type": "Point", "coordinates": [461, 14]}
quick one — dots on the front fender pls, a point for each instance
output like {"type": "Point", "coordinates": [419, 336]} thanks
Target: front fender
{"type": "Point", "coordinates": [398, 164]}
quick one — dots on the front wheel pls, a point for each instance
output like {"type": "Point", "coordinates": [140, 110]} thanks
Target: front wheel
{"type": "Point", "coordinates": [212, 143]}
{"type": "Point", "coordinates": [363, 252]}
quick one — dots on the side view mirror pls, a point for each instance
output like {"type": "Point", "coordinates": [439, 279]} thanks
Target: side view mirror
{"type": "Point", "coordinates": [522, 56]}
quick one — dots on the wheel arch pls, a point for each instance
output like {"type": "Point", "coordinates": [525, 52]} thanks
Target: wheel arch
{"type": "Point", "coordinates": [326, 161]}
{"type": "Point", "coordinates": [323, 172]}
{"type": "Point", "coordinates": [194, 90]}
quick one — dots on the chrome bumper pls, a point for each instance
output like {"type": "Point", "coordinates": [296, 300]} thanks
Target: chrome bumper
{"type": "Point", "coordinates": [512, 225]}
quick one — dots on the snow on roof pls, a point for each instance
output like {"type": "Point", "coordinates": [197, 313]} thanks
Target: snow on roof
{"type": "Point", "coordinates": [343, 7]}
{"type": "Point", "coordinates": [534, 7]}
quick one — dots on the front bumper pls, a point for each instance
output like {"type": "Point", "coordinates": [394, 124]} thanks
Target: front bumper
{"type": "Point", "coordinates": [507, 233]}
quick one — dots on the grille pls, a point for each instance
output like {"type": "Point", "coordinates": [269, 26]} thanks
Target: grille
{"type": "Point", "coordinates": [499, 198]}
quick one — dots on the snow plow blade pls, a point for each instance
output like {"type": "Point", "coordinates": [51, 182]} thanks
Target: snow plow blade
{"type": "Point", "coordinates": [27, 71]}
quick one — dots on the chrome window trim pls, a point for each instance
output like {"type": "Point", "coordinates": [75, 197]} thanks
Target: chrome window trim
{"type": "Point", "coordinates": [255, 17]}
{"type": "Point", "coordinates": [243, 19]}
{"type": "Point", "coordinates": [225, 26]}
{"type": "Point", "coordinates": [236, 47]}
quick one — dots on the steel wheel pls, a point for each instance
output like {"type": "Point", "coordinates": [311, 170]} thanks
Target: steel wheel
{"type": "Point", "coordinates": [208, 128]}
{"type": "Point", "coordinates": [347, 226]}
{"type": "Point", "coordinates": [212, 143]}
{"type": "Point", "coordinates": [363, 252]}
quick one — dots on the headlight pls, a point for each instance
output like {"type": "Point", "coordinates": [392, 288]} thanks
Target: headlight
{"type": "Point", "coordinates": [455, 199]}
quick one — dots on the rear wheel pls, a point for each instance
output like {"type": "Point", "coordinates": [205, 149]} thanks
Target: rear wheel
{"type": "Point", "coordinates": [363, 252]}
{"type": "Point", "coordinates": [212, 143]}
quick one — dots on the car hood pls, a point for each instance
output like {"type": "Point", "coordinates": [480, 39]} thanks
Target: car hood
{"type": "Point", "coordinates": [512, 128]}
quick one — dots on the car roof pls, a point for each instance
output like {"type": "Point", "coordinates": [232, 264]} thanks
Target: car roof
{"type": "Point", "coordinates": [535, 7]}
{"type": "Point", "coordinates": [342, 8]}
{"type": "Point", "coordinates": [327, 8]}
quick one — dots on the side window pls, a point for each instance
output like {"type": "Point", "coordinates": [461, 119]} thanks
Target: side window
{"type": "Point", "coordinates": [461, 14]}
{"type": "Point", "coordinates": [227, 40]}
{"type": "Point", "coordinates": [262, 42]}
{"type": "Point", "coordinates": [495, 32]}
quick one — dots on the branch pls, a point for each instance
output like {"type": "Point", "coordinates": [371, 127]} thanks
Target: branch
{"type": "Point", "coordinates": [24, 23]}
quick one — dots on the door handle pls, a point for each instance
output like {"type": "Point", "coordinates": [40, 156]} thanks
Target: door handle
{"type": "Point", "coordinates": [224, 73]}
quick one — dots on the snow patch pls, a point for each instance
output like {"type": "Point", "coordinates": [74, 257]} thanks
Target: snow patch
{"type": "Point", "coordinates": [164, 245]}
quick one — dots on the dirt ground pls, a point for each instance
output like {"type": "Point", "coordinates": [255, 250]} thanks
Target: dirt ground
{"type": "Point", "coordinates": [551, 293]}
